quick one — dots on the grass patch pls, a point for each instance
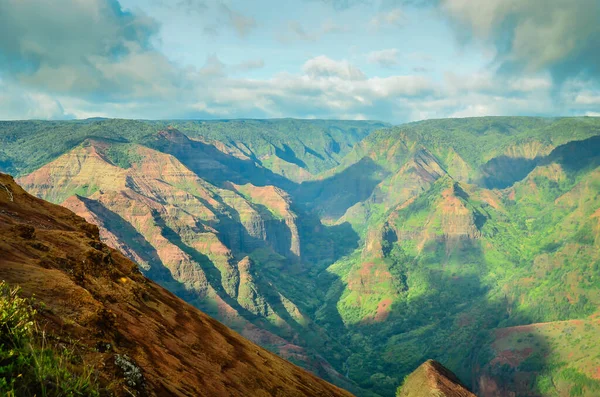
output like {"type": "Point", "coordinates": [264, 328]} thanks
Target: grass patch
{"type": "Point", "coordinates": [29, 364]}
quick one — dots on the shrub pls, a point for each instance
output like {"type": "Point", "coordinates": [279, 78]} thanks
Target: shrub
{"type": "Point", "coordinates": [131, 372]}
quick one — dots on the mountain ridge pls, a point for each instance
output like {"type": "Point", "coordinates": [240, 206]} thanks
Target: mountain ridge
{"type": "Point", "coordinates": [421, 243]}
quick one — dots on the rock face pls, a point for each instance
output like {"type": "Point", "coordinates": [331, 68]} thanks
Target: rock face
{"type": "Point", "coordinates": [94, 295]}
{"type": "Point", "coordinates": [432, 379]}
{"type": "Point", "coordinates": [166, 218]}
{"type": "Point", "coordinates": [192, 237]}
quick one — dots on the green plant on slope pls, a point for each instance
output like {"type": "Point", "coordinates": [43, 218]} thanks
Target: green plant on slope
{"type": "Point", "coordinates": [29, 366]}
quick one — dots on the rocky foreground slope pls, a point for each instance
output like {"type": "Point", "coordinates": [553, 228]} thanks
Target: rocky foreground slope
{"type": "Point", "coordinates": [94, 300]}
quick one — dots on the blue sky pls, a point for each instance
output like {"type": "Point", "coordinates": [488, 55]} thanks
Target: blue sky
{"type": "Point", "coordinates": [391, 60]}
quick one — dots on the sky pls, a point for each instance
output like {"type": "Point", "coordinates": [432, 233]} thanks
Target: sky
{"type": "Point", "coordinates": [390, 60]}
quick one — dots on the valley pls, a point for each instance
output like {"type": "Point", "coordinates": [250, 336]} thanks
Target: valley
{"type": "Point", "coordinates": [356, 250]}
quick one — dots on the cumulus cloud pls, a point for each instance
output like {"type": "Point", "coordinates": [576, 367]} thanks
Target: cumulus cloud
{"type": "Point", "coordinates": [104, 51]}
{"type": "Point", "coordinates": [106, 65]}
{"type": "Point", "coordinates": [325, 88]}
{"type": "Point", "coordinates": [322, 96]}
{"type": "Point", "coordinates": [386, 58]}
{"type": "Point", "coordinates": [560, 36]}
{"type": "Point", "coordinates": [16, 104]}
{"type": "Point", "coordinates": [588, 98]}
{"type": "Point", "coordinates": [394, 98]}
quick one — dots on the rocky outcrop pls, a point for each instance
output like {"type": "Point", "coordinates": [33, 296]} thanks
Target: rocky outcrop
{"type": "Point", "coordinates": [184, 232]}
{"type": "Point", "coordinates": [165, 206]}
{"type": "Point", "coordinates": [458, 219]}
{"type": "Point", "coordinates": [75, 172]}
{"type": "Point", "coordinates": [443, 215]}
{"type": "Point", "coordinates": [248, 296]}
{"type": "Point", "coordinates": [281, 227]}
{"type": "Point", "coordinates": [432, 379]}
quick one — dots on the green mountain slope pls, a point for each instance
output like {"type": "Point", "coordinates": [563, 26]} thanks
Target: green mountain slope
{"type": "Point", "coordinates": [474, 242]}
{"type": "Point", "coordinates": [295, 148]}
{"type": "Point", "coordinates": [446, 260]}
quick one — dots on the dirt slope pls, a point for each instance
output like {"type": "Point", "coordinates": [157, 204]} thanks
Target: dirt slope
{"type": "Point", "coordinates": [96, 300]}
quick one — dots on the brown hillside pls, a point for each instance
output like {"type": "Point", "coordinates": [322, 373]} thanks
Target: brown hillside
{"type": "Point", "coordinates": [432, 379]}
{"type": "Point", "coordinates": [96, 300]}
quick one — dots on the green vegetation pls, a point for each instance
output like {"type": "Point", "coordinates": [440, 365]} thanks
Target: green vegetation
{"type": "Point", "coordinates": [439, 239]}
{"type": "Point", "coordinates": [582, 384]}
{"type": "Point", "coordinates": [493, 134]}
{"type": "Point", "coordinates": [313, 145]}
{"type": "Point", "coordinates": [462, 266]}
{"type": "Point", "coordinates": [123, 155]}
{"type": "Point", "coordinates": [31, 365]}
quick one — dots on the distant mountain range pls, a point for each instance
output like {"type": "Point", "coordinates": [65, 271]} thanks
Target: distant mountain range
{"type": "Point", "coordinates": [355, 249]}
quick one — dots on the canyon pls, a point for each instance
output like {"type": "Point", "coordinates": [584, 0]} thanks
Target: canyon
{"type": "Point", "coordinates": [357, 251]}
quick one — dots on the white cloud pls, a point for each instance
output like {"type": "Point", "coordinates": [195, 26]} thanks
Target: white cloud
{"type": "Point", "coordinates": [103, 52]}
{"type": "Point", "coordinates": [526, 84]}
{"type": "Point", "coordinates": [491, 83]}
{"type": "Point", "coordinates": [560, 36]}
{"type": "Point", "coordinates": [113, 70]}
{"type": "Point", "coordinates": [326, 88]}
{"type": "Point", "coordinates": [588, 98]}
{"type": "Point", "coordinates": [406, 86]}
{"type": "Point", "coordinates": [385, 58]}
{"type": "Point", "coordinates": [481, 81]}
{"type": "Point", "coordinates": [16, 104]}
